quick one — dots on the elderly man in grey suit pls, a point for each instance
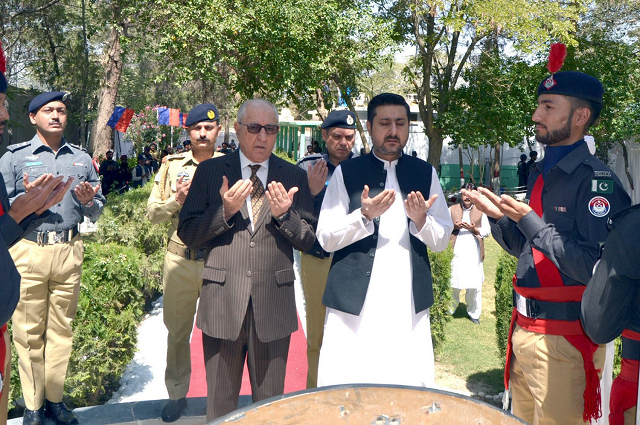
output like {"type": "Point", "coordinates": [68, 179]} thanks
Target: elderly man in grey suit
{"type": "Point", "coordinates": [250, 209]}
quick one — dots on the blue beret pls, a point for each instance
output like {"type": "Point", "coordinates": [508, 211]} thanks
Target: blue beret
{"type": "Point", "coordinates": [3, 83]}
{"type": "Point", "coordinates": [202, 112]}
{"type": "Point", "coordinates": [342, 119]}
{"type": "Point", "coordinates": [42, 99]}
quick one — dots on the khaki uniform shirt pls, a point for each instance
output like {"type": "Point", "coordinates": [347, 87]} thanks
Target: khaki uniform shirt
{"type": "Point", "coordinates": [162, 205]}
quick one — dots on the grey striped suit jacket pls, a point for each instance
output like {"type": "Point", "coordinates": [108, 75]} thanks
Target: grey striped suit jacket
{"type": "Point", "coordinates": [241, 263]}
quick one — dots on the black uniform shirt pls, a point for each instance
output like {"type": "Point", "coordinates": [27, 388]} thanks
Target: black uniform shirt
{"type": "Point", "coordinates": [611, 302]}
{"type": "Point", "coordinates": [580, 193]}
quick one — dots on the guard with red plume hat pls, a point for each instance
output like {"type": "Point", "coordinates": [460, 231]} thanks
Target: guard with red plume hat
{"type": "Point", "coordinates": [552, 367]}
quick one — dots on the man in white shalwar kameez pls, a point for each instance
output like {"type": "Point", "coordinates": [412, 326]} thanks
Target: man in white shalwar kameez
{"type": "Point", "coordinates": [377, 327]}
{"type": "Point", "coordinates": [470, 228]}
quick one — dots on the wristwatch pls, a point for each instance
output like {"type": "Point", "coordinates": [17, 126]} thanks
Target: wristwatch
{"type": "Point", "coordinates": [282, 217]}
{"type": "Point", "coordinates": [365, 220]}
{"type": "Point", "coordinates": [88, 204]}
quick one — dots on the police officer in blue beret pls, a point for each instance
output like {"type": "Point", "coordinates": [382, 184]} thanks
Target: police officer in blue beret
{"type": "Point", "coordinates": [338, 133]}
{"type": "Point", "coordinates": [183, 267]}
{"type": "Point", "coordinates": [50, 257]}
{"type": "Point", "coordinates": [16, 220]}
{"type": "Point", "coordinates": [557, 237]}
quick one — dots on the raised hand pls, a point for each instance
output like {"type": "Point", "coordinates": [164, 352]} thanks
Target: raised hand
{"type": "Point", "coordinates": [42, 193]}
{"type": "Point", "coordinates": [317, 176]}
{"type": "Point", "coordinates": [416, 207]}
{"type": "Point", "coordinates": [485, 201]}
{"type": "Point", "coordinates": [182, 190]}
{"type": "Point", "coordinates": [378, 205]}
{"type": "Point", "coordinates": [279, 199]}
{"type": "Point", "coordinates": [234, 198]}
{"type": "Point", "coordinates": [85, 192]}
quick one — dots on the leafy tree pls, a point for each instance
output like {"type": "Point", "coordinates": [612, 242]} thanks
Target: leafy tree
{"type": "Point", "coordinates": [447, 34]}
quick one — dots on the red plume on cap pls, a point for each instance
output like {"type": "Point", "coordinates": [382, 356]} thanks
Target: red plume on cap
{"type": "Point", "coordinates": [557, 55]}
{"type": "Point", "coordinates": [3, 61]}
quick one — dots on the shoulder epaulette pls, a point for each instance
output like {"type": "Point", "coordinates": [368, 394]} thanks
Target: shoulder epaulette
{"type": "Point", "coordinates": [175, 156]}
{"type": "Point", "coordinates": [77, 147]}
{"type": "Point", "coordinates": [18, 146]}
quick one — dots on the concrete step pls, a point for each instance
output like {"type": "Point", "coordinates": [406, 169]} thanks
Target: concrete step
{"type": "Point", "coordinates": [140, 413]}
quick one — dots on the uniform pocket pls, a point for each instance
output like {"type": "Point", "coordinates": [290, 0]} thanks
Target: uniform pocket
{"type": "Point", "coordinates": [214, 275]}
{"type": "Point", "coordinates": [284, 277]}
{"type": "Point", "coordinates": [78, 172]}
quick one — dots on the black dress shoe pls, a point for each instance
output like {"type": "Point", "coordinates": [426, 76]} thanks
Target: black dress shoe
{"type": "Point", "coordinates": [173, 410]}
{"type": "Point", "coordinates": [60, 413]}
{"type": "Point", "coordinates": [476, 321]}
{"type": "Point", "coordinates": [33, 417]}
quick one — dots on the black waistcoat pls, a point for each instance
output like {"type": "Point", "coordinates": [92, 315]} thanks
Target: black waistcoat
{"type": "Point", "coordinates": [351, 267]}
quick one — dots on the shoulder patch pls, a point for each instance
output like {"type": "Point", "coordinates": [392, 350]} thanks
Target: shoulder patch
{"type": "Point", "coordinates": [604, 186]}
{"type": "Point", "coordinates": [18, 146]}
{"type": "Point", "coordinates": [599, 206]}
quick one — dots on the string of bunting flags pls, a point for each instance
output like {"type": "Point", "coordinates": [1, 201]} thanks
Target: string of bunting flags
{"type": "Point", "coordinates": [121, 118]}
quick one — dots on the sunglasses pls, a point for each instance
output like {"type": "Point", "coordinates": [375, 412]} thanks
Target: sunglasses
{"type": "Point", "coordinates": [257, 128]}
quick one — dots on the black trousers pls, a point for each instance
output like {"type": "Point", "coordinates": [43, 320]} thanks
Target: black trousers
{"type": "Point", "coordinates": [224, 364]}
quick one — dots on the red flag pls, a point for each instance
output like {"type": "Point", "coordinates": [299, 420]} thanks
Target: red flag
{"type": "Point", "coordinates": [174, 117]}
{"type": "Point", "coordinates": [125, 120]}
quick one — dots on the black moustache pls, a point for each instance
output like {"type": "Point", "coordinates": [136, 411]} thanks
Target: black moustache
{"type": "Point", "coordinates": [3, 122]}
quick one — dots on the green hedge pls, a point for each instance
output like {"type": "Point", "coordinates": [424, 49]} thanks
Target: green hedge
{"type": "Point", "coordinates": [441, 273]}
{"type": "Point", "coordinates": [504, 299]}
{"type": "Point", "coordinates": [121, 275]}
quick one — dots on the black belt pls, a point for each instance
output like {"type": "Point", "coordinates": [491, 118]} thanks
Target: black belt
{"type": "Point", "coordinates": [630, 349]}
{"type": "Point", "coordinates": [188, 253]}
{"type": "Point", "coordinates": [52, 237]}
{"type": "Point", "coordinates": [548, 310]}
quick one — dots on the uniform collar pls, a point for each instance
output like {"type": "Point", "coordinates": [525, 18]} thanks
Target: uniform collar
{"type": "Point", "coordinates": [37, 145]}
{"type": "Point", "coordinates": [570, 160]}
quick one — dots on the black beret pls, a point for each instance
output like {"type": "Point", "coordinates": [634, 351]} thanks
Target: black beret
{"type": "Point", "coordinates": [186, 142]}
{"type": "Point", "coordinates": [202, 112]}
{"type": "Point", "coordinates": [42, 99]}
{"type": "Point", "coordinates": [575, 84]}
{"type": "Point", "coordinates": [3, 83]}
{"type": "Point", "coordinates": [523, 157]}
{"type": "Point", "coordinates": [341, 119]}
{"type": "Point", "coordinates": [141, 157]}
{"type": "Point", "coordinates": [533, 153]}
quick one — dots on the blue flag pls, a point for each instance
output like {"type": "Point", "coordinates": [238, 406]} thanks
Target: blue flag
{"type": "Point", "coordinates": [163, 116]}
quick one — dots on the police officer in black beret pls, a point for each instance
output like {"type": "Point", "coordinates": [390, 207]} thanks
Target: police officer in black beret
{"type": "Point", "coordinates": [49, 258]}
{"type": "Point", "coordinates": [611, 306]}
{"type": "Point", "coordinates": [557, 237]}
{"type": "Point", "coordinates": [183, 267]}
{"type": "Point", "coordinates": [338, 133]}
{"type": "Point", "coordinates": [531, 164]}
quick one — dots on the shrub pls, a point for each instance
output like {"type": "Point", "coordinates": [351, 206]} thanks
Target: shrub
{"type": "Point", "coordinates": [121, 275]}
{"type": "Point", "coordinates": [124, 221]}
{"type": "Point", "coordinates": [504, 299]}
{"type": "Point", "coordinates": [441, 273]}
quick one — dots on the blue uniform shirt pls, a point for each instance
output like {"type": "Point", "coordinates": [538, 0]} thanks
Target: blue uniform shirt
{"type": "Point", "coordinates": [35, 158]}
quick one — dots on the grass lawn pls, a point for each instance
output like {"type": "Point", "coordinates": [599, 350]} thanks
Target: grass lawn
{"type": "Point", "coordinates": [470, 352]}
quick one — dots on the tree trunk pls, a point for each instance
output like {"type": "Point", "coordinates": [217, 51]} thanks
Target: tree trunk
{"type": "Point", "coordinates": [85, 76]}
{"type": "Point", "coordinates": [462, 166]}
{"type": "Point", "coordinates": [320, 107]}
{"type": "Point", "coordinates": [435, 147]}
{"type": "Point", "coordinates": [101, 136]}
{"type": "Point", "coordinates": [495, 181]}
{"type": "Point", "coordinates": [363, 136]}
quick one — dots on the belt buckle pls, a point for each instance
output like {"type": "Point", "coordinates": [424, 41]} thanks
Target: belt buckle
{"type": "Point", "coordinates": [187, 253]}
{"type": "Point", "coordinates": [59, 237]}
{"type": "Point", "coordinates": [40, 238]}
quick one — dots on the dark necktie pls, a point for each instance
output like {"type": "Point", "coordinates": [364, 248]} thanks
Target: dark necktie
{"type": "Point", "coordinates": [257, 193]}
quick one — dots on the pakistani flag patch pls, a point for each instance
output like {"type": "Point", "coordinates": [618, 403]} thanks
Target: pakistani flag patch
{"type": "Point", "coordinates": [602, 186]}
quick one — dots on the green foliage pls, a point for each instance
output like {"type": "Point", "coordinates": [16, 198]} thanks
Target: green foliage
{"type": "Point", "coordinates": [504, 299]}
{"type": "Point", "coordinates": [124, 221]}
{"type": "Point", "coordinates": [117, 281]}
{"type": "Point", "coordinates": [441, 273]}
{"type": "Point", "coordinates": [280, 153]}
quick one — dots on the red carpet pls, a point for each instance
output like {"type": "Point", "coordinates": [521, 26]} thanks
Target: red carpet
{"type": "Point", "coordinates": [295, 380]}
